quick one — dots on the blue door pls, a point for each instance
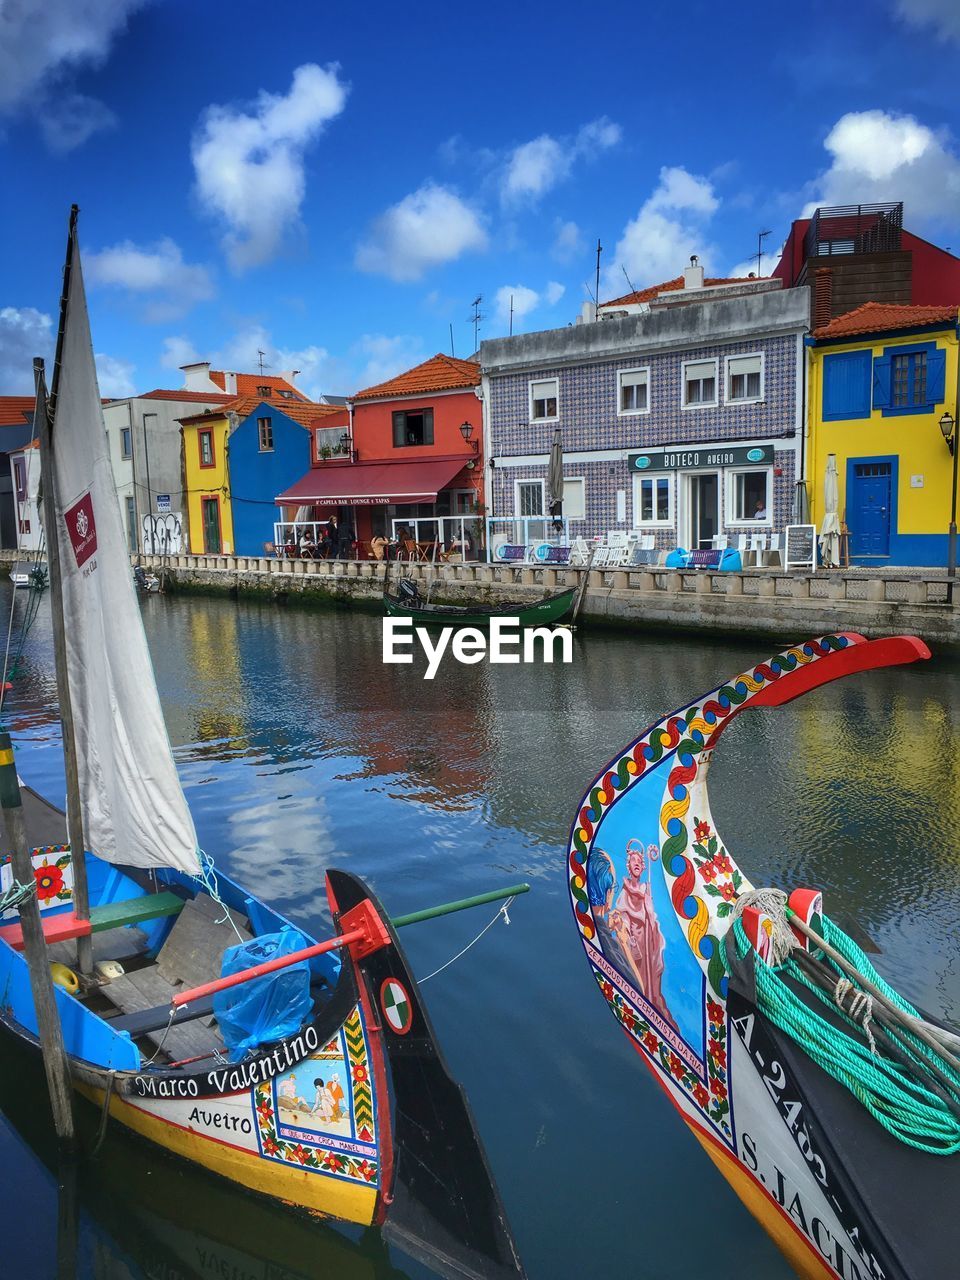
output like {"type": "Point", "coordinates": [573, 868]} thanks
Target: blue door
{"type": "Point", "coordinates": [869, 505]}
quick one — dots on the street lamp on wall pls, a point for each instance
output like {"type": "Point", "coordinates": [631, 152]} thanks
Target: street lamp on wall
{"type": "Point", "coordinates": [947, 426]}
{"type": "Point", "coordinates": [466, 430]}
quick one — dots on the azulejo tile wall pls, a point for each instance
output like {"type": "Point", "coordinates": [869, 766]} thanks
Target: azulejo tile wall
{"type": "Point", "coordinates": [589, 421]}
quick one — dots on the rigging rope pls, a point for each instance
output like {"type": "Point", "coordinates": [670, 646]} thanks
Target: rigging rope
{"type": "Point", "coordinates": [16, 895]}
{"type": "Point", "coordinates": [501, 911]}
{"type": "Point", "coordinates": [907, 1085]}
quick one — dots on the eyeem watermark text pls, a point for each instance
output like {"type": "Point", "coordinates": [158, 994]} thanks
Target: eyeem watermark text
{"type": "Point", "coordinates": [505, 642]}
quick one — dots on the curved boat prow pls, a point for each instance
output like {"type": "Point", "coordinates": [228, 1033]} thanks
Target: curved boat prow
{"type": "Point", "coordinates": [654, 892]}
{"type": "Point", "coordinates": [441, 1203]}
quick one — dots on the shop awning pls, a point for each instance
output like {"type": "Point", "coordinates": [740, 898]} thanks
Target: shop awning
{"type": "Point", "coordinates": [372, 484]}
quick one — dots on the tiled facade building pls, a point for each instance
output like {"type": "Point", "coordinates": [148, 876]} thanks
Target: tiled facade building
{"type": "Point", "coordinates": [681, 419]}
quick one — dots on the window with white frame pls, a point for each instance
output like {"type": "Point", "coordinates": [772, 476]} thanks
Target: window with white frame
{"type": "Point", "coordinates": [652, 500]}
{"type": "Point", "coordinates": [633, 391]}
{"type": "Point", "coordinates": [574, 500]}
{"type": "Point", "coordinates": [529, 495]}
{"type": "Point", "coordinates": [699, 383]}
{"type": "Point", "coordinates": [544, 397]}
{"type": "Point", "coordinates": [744, 378]}
{"type": "Point", "coordinates": [749, 496]}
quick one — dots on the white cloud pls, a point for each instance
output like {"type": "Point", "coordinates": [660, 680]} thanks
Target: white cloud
{"type": "Point", "coordinates": [425, 229]}
{"type": "Point", "coordinates": [568, 243]}
{"type": "Point", "coordinates": [534, 168]}
{"type": "Point", "coordinates": [670, 226]}
{"type": "Point", "coordinates": [525, 299]}
{"type": "Point", "coordinates": [942, 15]}
{"type": "Point", "coordinates": [249, 166]}
{"type": "Point", "coordinates": [68, 120]}
{"type": "Point", "coordinates": [178, 351]}
{"type": "Point", "coordinates": [115, 376]}
{"type": "Point", "coordinates": [24, 333]}
{"type": "Point", "coordinates": [157, 269]}
{"type": "Point", "coordinates": [43, 42]}
{"type": "Point", "coordinates": [879, 156]}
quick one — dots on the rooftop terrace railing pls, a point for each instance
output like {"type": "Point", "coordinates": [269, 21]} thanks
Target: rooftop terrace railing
{"type": "Point", "coordinates": [854, 228]}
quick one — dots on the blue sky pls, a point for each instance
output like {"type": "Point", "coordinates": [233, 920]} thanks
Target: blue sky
{"type": "Point", "coordinates": [336, 184]}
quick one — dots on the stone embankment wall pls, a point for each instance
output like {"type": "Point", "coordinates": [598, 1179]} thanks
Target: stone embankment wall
{"type": "Point", "coordinates": [761, 602]}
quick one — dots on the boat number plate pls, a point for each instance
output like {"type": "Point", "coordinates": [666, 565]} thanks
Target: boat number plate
{"type": "Point", "coordinates": [396, 1005]}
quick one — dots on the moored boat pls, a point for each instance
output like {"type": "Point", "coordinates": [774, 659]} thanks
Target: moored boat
{"type": "Point", "coordinates": [408, 603]}
{"type": "Point", "coordinates": [830, 1105]}
{"type": "Point", "coordinates": [192, 1012]}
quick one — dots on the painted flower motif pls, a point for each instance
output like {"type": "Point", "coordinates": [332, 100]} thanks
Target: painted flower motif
{"type": "Point", "coordinates": [264, 1110]}
{"type": "Point", "coordinates": [676, 1066]}
{"type": "Point", "coordinates": [629, 1021]}
{"type": "Point", "coordinates": [718, 1053]}
{"type": "Point", "coordinates": [728, 892]}
{"type": "Point", "coordinates": [270, 1146]}
{"type": "Point", "coordinates": [368, 1170]}
{"type": "Point", "coordinates": [334, 1163]}
{"type": "Point", "coordinates": [715, 1012]}
{"type": "Point", "coordinates": [300, 1153]}
{"type": "Point", "coordinates": [650, 1042]}
{"type": "Point", "coordinates": [718, 1089]}
{"type": "Point", "coordinates": [49, 881]}
{"type": "Point", "coordinates": [701, 832]}
{"type": "Point", "coordinates": [607, 989]}
{"type": "Point", "coordinates": [359, 1073]}
{"type": "Point", "coordinates": [709, 872]}
{"type": "Point", "coordinates": [723, 864]}
{"type": "Point", "coordinates": [700, 1095]}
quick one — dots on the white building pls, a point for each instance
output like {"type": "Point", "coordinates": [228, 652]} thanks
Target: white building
{"type": "Point", "coordinates": [25, 474]}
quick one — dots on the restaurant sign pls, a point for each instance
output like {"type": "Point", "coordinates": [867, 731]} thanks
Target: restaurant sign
{"type": "Point", "coordinates": [714, 456]}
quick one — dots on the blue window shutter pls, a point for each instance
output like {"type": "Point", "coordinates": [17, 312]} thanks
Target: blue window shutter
{"type": "Point", "coordinates": [936, 377]}
{"type": "Point", "coordinates": [881, 383]}
{"type": "Point", "coordinates": [846, 385]}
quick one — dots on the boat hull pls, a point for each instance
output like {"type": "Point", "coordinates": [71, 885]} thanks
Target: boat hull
{"type": "Point", "coordinates": [552, 609]}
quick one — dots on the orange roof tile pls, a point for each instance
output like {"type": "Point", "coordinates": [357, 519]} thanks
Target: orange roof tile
{"type": "Point", "coordinates": [303, 411]}
{"type": "Point", "coordinates": [247, 383]}
{"type": "Point", "coordinates": [15, 410]}
{"type": "Point", "coordinates": [880, 317]}
{"type": "Point", "coordinates": [650, 294]}
{"type": "Point", "coordinates": [439, 373]}
{"type": "Point", "coordinates": [202, 397]}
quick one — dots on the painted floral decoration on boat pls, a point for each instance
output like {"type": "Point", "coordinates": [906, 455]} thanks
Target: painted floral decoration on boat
{"type": "Point", "coordinates": [712, 862]}
{"type": "Point", "coordinates": [49, 878]}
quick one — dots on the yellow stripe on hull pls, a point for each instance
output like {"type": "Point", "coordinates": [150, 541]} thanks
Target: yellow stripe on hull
{"type": "Point", "coordinates": [795, 1248]}
{"type": "Point", "coordinates": [318, 1192]}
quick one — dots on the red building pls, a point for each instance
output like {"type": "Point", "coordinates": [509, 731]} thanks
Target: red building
{"type": "Point", "coordinates": [852, 254]}
{"type": "Point", "coordinates": [413, 461]}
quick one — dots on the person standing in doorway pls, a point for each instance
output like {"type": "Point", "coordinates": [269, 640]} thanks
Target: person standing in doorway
{"type": "Point", "coordinates": [333, 538]}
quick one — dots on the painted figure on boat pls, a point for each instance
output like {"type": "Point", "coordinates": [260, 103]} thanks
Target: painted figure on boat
{"type": "Point", "coordinates": [634, 922]}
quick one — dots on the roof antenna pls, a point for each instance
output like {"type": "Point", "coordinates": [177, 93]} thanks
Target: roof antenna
{"type": "Point", "coordinates": [452, 352]}
{"type": "Point", "coordinates": [627, 278]}
{"type": "Point", "coordinates": [261, 354]}
{"type": "Point", "coordinates": [511, 315]}
{"type": "Point", "coordinates": [475, 319]}
{"type": "Point", "coordinates": [596, 296]}
{"type": "Point", "coordinates": [760, 236]}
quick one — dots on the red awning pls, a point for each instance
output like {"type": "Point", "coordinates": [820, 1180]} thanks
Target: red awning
{"type": "Point", "coordinates": [371, 484]}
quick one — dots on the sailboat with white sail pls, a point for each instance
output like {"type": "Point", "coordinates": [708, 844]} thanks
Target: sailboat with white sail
{"type": "Point", "coordinates": [198, 1016]}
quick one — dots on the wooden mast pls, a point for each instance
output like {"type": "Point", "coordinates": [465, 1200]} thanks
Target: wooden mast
{"type": "Point", "coordinates": [46, 413]}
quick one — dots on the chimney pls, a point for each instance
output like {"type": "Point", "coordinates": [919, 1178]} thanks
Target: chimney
{"type": "Point", "coordinates": [230, 383]}
{"type": "Point", "coordinates": [693, 275]}
{"type": "Point", "coordinates": [196, 377]}
{"type": "Point", "coordinates": [822, 297]}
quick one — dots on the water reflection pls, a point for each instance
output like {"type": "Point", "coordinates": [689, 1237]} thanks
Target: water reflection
{"type": "Point", "coordinates": [299, 749]}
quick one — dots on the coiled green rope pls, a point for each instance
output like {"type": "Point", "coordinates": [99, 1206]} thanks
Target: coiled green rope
{"type": "Point", "coordinates": [910, 1097]}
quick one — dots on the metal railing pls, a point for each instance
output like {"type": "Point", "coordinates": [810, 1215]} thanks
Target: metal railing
{"type": "Point", "coordinates": [853, 228]}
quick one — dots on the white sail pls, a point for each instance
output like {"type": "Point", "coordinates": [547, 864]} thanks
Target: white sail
{"type": "Point", "coordinates": [134, 809]}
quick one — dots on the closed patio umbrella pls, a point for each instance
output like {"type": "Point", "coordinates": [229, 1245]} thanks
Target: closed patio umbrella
{"type": "Point", "coordinates": [830, 527]}
{"type": "Point", "coordinates": [555, 480]}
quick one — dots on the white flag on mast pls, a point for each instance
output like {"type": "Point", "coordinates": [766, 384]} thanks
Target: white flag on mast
{"type": "Point", "coordinates": [134, 809]}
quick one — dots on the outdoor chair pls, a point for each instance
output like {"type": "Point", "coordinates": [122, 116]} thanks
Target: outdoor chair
{"type": "Point", "coordinates": [269, 549]}
{"type": "Point", "coordinates": [579, 551]}
{"type": "Point", "coordinates": [775, 549]}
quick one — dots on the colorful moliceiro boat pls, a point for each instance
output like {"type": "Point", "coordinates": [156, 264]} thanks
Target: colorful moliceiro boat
{"type": "Point", "coordinates": [409, 604]}
{"type": "Point", "coordinates": [319, 1083]}
{"type": "Point", "coordinates": [828, 1103]}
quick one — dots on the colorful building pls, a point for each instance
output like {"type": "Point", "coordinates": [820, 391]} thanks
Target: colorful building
{"type": "Point", "coordinates": [414, 460]}
{"type": "Point", "coordinates": [880, 379]}
{"type": "Point", "coordinates": [237, 457]}
{"type": "Point", "coordinates": [679, 410]}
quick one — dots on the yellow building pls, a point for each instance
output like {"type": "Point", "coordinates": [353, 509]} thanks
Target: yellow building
{"type": "Point", "coordinates": [880, 380]}
{"type": "Point", "coordinates": [206, 482]}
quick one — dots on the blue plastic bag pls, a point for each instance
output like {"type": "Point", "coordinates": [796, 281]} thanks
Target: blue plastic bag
{"type": "Point", "coordinates": [268, 1008]}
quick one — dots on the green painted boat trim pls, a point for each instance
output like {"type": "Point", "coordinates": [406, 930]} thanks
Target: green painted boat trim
{"type": "Point", "coordinates": [551, 609]}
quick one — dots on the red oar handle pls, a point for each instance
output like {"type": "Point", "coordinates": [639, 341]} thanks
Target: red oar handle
{"type": "Point", "coordinates": [268, 966]}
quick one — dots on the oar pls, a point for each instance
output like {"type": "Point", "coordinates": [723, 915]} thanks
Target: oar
{"type": "Point", "coordinates": [342, 940]}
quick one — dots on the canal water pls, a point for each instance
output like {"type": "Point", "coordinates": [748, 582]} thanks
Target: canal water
{"type": "Point", "coordinates": [300, 750]}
